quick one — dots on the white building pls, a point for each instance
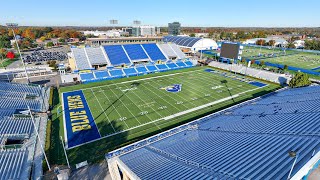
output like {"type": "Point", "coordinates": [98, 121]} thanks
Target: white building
{"type": "Point", "coordinates": [109, 33]}
{"type": "Point", "coordinates": [144, 31]}
{"type": "Point", "coordinates": [299, 43]}
{"type": "Point", "coordinates": [192, 43]}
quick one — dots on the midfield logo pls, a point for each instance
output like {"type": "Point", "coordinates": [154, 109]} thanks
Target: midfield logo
{"type": "Point", "coordinates": [173, 88]}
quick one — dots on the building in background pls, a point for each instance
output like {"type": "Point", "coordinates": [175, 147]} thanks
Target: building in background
{"type": "Point", "coordinates": [174, 28]}
{"type": "Point", "coordinates": [144, 31]}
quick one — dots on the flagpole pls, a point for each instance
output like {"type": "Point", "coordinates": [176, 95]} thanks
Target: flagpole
{"type": "Point", "coordinates": [37, 134]}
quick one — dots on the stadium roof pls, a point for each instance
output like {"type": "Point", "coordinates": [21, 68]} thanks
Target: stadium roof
{"type": "Point", "coordinates": [251, 141]}
{"type": "Point", "coordinates": [181, 40]}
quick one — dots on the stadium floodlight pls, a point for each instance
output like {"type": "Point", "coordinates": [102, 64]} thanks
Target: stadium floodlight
{"type": "Point", "coordinates": [12, 26]}
{"type": "Point", "coordinates": [292, 154]}
{"type": "Point", "coordinates": [136, 22]}
{"type": "Point", "coordinates": [37, 134]}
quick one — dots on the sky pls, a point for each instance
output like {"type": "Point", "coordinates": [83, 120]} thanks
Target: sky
{"type": "Point", "coordinates": [204, 13]}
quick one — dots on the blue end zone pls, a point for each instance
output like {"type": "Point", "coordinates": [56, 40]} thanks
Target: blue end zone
{"type": "Point", "coordinates": [259, 84]}
{"type": "Point", "coordinates": [79, 123]}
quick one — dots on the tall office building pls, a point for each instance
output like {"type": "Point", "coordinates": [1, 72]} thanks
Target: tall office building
{"type": "Point", "coordinates": [174, 28]}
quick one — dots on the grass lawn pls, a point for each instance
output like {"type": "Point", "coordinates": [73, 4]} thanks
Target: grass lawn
{"type": "Point", "coordinates": [7, 62]}
{"type": "Point", "coordinates": [138, 107]}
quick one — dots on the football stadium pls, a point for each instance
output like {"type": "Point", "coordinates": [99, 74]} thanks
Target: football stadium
{"type": "Point", "coordinates": [132, 101]}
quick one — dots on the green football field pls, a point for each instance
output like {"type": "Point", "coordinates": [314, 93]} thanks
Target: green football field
{"type": "Point", "coordinates": [131, 104]}
{"type": "Point", "coordinates": [292, 58]}
{"type": "Point", "coordinates": [129, 109]}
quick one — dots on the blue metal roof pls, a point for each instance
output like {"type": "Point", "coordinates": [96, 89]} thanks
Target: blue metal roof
{"type": "Point", "coordinates": [181, 40]}
{"type": "Point", "coordinates": [250, 142]}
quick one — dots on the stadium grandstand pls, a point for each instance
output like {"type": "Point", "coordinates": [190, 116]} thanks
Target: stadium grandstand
{"type": "Point", "coordinates": [192, 44]}
{"type": "Point", "coordinates": [124, 60]}
{"type": "Point", "coordinates": [275, 136]}
{"type": "Point", "coordinates": [20, 152]}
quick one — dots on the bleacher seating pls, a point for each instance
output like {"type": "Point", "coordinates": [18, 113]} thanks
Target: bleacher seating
{"type": "Point", "coordinates": [154, 52]}
{"type": "Point", "coordinates": [95, 56]}
{"type": "Point", "coordinates": [130, 71]}
{"type": "Point", "coordinates": [116, 73]}
{"type": "Point", "coordinates": [12, 163]}
{"type": "Point", "coordinates": [135, 52]}
{"type": "Point", "coordinates": [81, 59]}
{"type": "Point", "coordinates": [141, 69]}
{"type": "Point", "coordinates": [151, 68]}
{"type": "Point", "coordinates": [17, 137]}
{"type": "Point", "coordinates": [10, 125]}
{"type": "Point", "coordinates": [116, 55]}
{"type": "Point", "coordinates": [101, 74]}
{"type": "Point", "coordinates": [181, 64]}
{"type": "Point", "coordinates": [86, 76]}
{"type": "Point", "coordinates": [162, 67]}
{"type": "Point", "coordinates": [177, 50]}
{"type": "Point", "coordinates": [250, 141]}
{"type": "Point", "coordinates": [166, 49]}
{"type": "Point", "coordinates": [188, 63]}
{"type": "Point", "coordinates": [172, 66]}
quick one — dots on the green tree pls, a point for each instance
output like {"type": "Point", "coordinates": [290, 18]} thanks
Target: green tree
{"type": "Point", "coordinates": [285, 67]}
{"type": "Point", "coordinates": [5, 42]}
{"type": "Point", "coordinates": [50, 44]}
{"type": "Point", "coordinates": [299, 80]}
{"type": "Point", "coordinates": [61, 40]}
{"type": "Point", "coordinates": [192, 35]}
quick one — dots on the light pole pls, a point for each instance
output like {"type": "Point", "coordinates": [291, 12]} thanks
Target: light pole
{"type": "Point", "coordinates": [13, 25]}
{"type": "Point", "coordinates": [37, 134]}
{"type": "Point", "coordinates": [292, 154]}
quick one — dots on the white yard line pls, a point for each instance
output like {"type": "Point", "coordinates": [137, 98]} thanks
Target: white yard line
{"type": "Point", "coordinates": [125, 105]}
{"type": "Point", "coordinates": [103, 111]}
{"type": "Point", "coordinates": [114, 107]}
{"type": "Point", "coordinates": [145, 102]}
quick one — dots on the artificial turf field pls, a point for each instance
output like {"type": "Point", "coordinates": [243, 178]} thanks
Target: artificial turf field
{"type": "Point", "coordinates": [146, 94]}
{"type": "Point", "coordinates": [157, 101]}
{"type": "Point", "coordinates": [291, 58]}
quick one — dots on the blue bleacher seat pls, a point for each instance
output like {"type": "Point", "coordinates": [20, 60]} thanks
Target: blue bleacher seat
{"type": "Point", "coordinates": [172, 66]}
{"type": "Point", "coordinates": [116, 73]}
{"type": "Point", "coordinates": [142, 70]}
{"type": "Point", "coordinates": [130, 71]}
{"type": "Point", "coordinates": [86, 76]}
{"type": "Point", "coordinates": [154, 52]}
{"type": "Point", "coordinates": [101, 74]}
{"type": "Point", "coordinates": [116, 55]}
{"type": "Point", "coordinates": [181, 64]}
{"type": "Point", "coordinates": [162, 67]}
{"type": "Point", "coordinates": [135, 52]}
{"type": "Point", "coordinates": [188, 63]}
{"type": "Point", "coordinates": [151, 68]}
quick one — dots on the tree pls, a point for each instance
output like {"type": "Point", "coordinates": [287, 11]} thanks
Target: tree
{"type": "Point", "coordinates": [5, 42]}
{"type": "Point", "coordinates": [61, 40]}
{"type": "Point", "coordinates": [262, 63]}
{"type": "Point", "coordinates": [50, 44]}
{"type": "Point", "coordinates": [10, 55]}
{"type": "Point", "coordinates": [272, 42]}
{"type": "Point", "coordinates": [27, 33]}
{"type": "Point", "coordinates": [291, 45]}
{"type": "Point", "coordinates": [192, 35]}
{"type": "Point", "coordinates": [285, 67]}
{"type": "Point", "coordinates": [299, 80]}
{"type": "Point", "coordinates": [261, 42]}
{"type": "Point", "coordinates": [43, 38]}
